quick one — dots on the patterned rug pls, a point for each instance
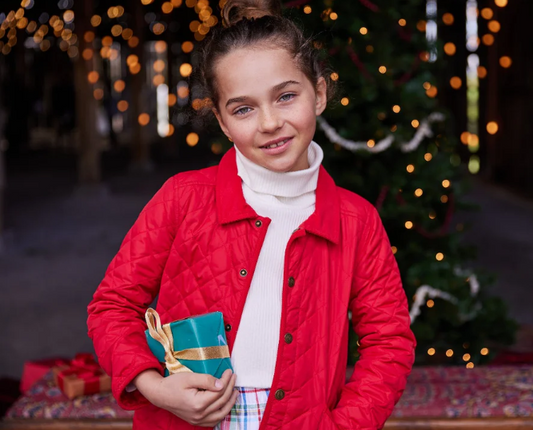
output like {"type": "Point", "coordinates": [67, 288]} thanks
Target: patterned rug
{"type": "Point", "coordinates": [46, 400]}
{"type": "Point", "coordinates": [457, 392]}
{"type": "Point", "coordinates": [443, 392]}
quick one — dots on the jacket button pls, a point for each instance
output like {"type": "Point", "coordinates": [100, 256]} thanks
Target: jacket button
{"type": "Point", "coordinates": [228, 327]}
{"type": "Point", "coordinates": [243, 272]}
{"type": "Point", "coordinates": [280, 394]}
{"type": "Point", "coordinates": [258, 223]}
{"type": "Point", "coordinates": [291, 282]}
{"type": "Point", "coordinates": [288, 338]}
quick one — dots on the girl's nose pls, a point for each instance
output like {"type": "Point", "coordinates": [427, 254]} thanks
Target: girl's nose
{"type": "Point", "coordinates": [270, 121]}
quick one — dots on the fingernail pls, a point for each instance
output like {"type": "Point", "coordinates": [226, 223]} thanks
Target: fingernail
{"type": "Point", "coordinates": [218, 383]}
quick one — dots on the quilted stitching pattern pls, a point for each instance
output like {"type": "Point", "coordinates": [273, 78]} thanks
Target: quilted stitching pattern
{"type": "Point", "coordinates": [178, 249]}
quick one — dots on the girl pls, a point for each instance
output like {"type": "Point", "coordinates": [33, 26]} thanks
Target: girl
{"type": "Point", "coordinates": [269, 240]}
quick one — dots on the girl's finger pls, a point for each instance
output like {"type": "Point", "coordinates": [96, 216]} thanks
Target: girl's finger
{"type": "Point", "coordinates": [204, 399]}
{"type": "Point", "coordinates": [219, 415]}
{"type": "Point", "coordinates": [222, 401]}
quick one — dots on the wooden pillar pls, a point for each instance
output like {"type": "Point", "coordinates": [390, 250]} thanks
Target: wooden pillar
{"type": "Point", "coordinates": [89, 168]}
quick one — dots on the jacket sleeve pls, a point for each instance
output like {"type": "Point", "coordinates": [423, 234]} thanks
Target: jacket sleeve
{"type": "Point", "coordinates": [380, 317]}
{"type": "Point", "coordinates": [116, 314]}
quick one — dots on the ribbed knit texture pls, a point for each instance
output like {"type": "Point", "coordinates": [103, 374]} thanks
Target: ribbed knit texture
{"type": "Point", "coordinates": [288, 199]}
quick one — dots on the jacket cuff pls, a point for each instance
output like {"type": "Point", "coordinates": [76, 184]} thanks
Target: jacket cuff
{"type": "Point", "coordinates": [132, 400]}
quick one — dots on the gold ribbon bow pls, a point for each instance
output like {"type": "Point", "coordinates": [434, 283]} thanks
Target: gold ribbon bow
{"type": "Point", "coordinates": [163, 334]}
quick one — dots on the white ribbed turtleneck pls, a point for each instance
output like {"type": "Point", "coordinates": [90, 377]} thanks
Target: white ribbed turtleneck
{"type": "Point", "coordinates": [288, 199]}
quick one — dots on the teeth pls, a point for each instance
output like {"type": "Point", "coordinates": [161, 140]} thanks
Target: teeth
{"type": "Point", "coordinates": [275, 145]}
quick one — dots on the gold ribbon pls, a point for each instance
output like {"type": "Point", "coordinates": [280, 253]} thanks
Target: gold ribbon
{"type": "Point", "coordinates": [163, 334]}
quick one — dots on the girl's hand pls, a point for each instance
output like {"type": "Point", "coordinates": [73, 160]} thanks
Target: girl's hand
{"type": "Point", "coordinates": [201, 400]}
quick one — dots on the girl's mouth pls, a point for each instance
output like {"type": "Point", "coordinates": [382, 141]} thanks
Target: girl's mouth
{"type": "Point", "coordinates": [277, 148]}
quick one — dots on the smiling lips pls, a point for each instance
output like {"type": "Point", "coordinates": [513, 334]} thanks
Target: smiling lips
{"type": "Point", "coordinates": [276, 143]}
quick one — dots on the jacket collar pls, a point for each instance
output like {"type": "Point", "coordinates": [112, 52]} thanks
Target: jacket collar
{"type": "Point", "coordinates": [232, 207]}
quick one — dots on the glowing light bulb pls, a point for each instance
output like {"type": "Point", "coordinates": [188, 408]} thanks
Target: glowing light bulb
{"type": "Point", "coordinates": [492, 127]}
{"type": "Point", "coordinates": [122, 105]}
{"type": "Point", "coordinates": [447, 18]}
{"type": "Point", "coordinates": [93, 77]}
{"type": "Point", "coordinates": [185, 69]}
{"type": "Point", "coordinates": [456, 82]}
{"type": "Point", "coordinates": [192, 139]}
{"type": "Point", "coordinates": [119, 86]}
{"type": "Point", "coordinates": [449, 48]}
{"type": "Point", "coordinates": [144, 119]}
{"type": "Point", "coordinates": [505, 62]}
{"type": "Point", "coordinates": [494, 26]}
{"type": "Point", "coordinates": [487, 13]}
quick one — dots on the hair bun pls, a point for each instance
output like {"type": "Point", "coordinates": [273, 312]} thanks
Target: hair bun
{"type": "Point", "coordinates": [237, 10]}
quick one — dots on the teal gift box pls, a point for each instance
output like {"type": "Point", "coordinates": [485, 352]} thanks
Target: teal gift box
{"type": "Point", "coordinates": [197, 344]}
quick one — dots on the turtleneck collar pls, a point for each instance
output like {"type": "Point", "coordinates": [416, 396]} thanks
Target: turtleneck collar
{"type": "Point", "coordinates": [281, 184]}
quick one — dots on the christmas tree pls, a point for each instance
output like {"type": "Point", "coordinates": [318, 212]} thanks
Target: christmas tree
{"type": "Point", "coordinates": [389, 140]}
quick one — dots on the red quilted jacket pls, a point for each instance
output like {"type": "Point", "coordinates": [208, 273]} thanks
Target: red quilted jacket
{"type": "Point", "coordinates": [190, 245]}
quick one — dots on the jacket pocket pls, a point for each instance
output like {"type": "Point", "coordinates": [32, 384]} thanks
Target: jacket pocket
{"type": "Point", "coordinates": [326, 420]}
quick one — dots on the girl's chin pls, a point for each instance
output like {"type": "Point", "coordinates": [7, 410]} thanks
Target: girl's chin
{"type": "Point", "coordinates": [283, 166]}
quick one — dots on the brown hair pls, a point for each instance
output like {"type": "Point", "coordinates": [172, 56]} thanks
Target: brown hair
{"type": "Point", "coordinates": [257, 22]}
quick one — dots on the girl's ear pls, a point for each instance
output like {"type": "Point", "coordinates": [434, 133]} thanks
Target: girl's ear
{"type": "Point", "coordinates": [321, 96]}
{"type": "Point", "coordinates": [221, 123]}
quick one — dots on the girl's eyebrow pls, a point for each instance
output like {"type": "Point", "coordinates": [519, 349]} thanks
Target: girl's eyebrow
{"type": "Point", "coordinates": [274, 89]}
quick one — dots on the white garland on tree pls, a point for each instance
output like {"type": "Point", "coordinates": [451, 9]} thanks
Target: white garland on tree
{"type": "Point", "coordinates": [423, 131]}
{"type": "Point", "coordinates": [426, 291]}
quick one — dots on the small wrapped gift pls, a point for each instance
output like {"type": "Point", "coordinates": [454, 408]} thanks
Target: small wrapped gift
{"type": "Point", "coordinates": [82, 376]}
{"type": "Point", "coordinates": [34, 370]}
{"type": "Point", "coordinates": [196, 344]}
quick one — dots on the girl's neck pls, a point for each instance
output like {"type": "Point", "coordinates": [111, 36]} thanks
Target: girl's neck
{"type": "Point", "coordinates": [286, 184]}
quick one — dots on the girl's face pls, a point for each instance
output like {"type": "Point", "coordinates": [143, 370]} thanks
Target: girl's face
{"type": "Point", "coordinates": [268, 107]}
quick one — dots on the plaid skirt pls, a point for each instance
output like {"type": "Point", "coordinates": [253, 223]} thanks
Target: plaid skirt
{"type": "Point", "coordinates": [247, 413]}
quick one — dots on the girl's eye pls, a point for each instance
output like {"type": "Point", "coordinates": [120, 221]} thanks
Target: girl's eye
{"type": "Point", "coordinates": [287, 97]}
{"type": "Point", "coordinates": [241, 111]}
